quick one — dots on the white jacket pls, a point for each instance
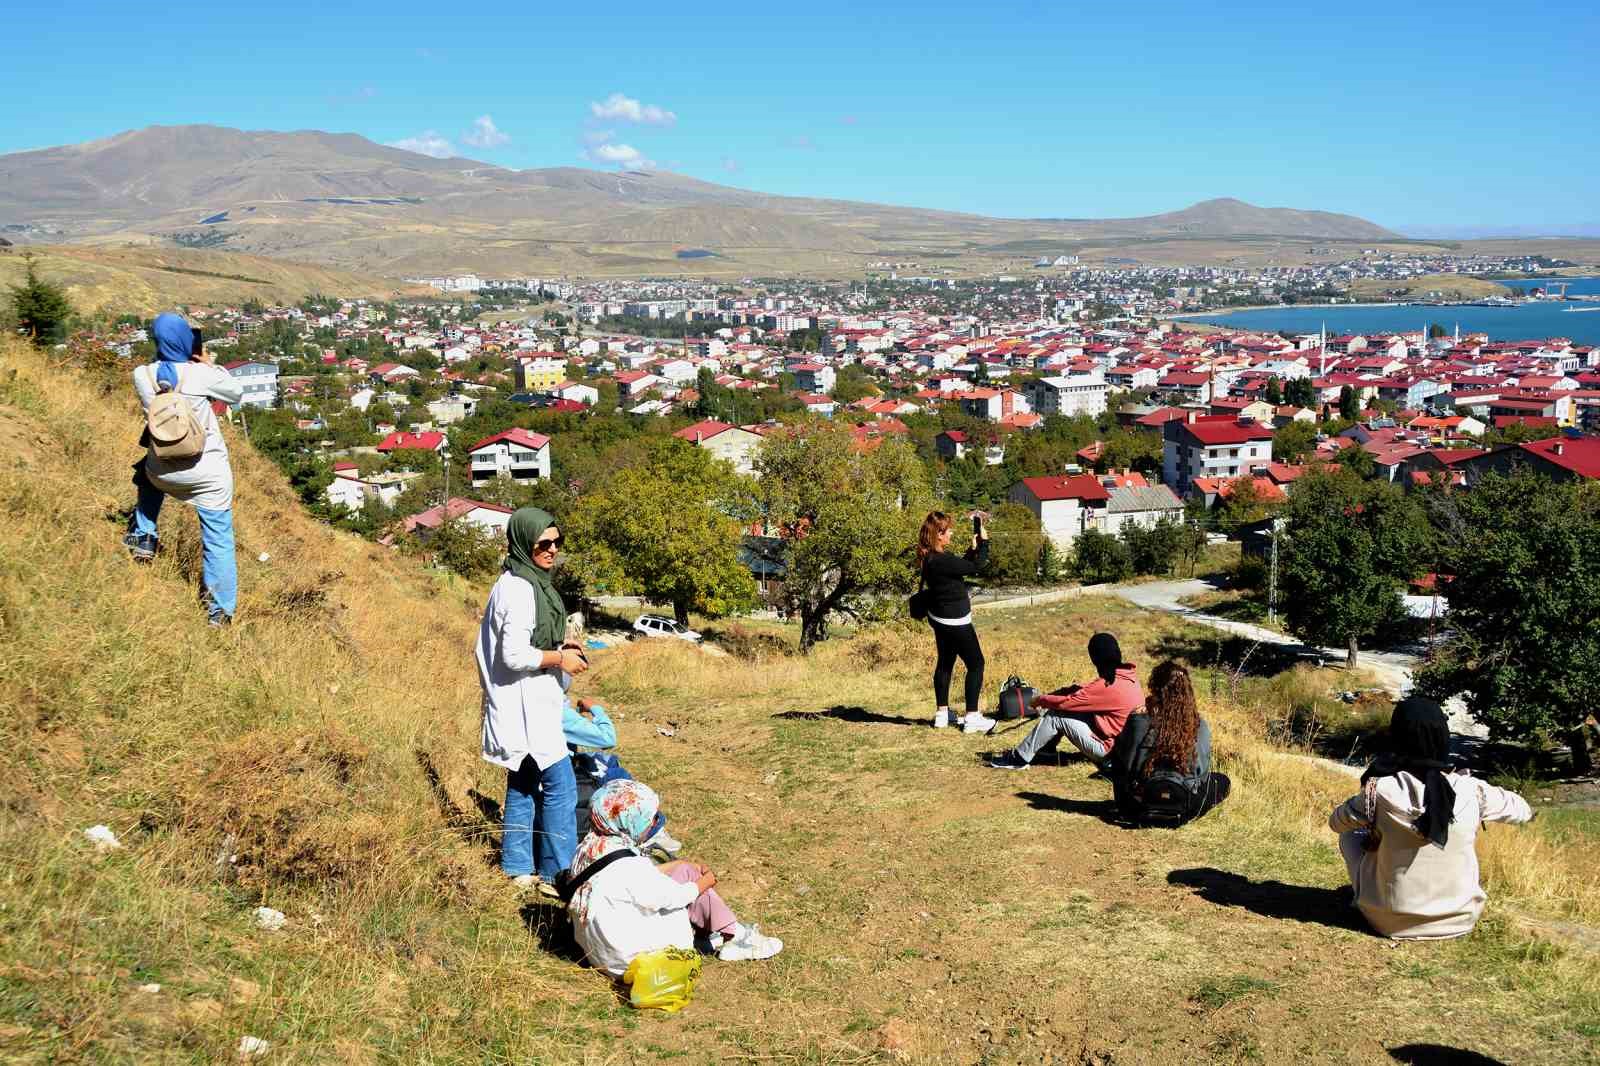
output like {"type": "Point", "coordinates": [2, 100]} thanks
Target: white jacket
{"type": "Point", "coordinates": [206, 482]}
{"type": "Point", "coordinates": [631, 908]}
{"type": "Point", "coordinates": [521, 699]}
{"type": "Point", "coordinates": [1408, 888]}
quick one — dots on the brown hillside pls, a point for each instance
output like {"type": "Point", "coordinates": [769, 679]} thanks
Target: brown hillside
{"type": "Point", "coordinates": [320, 758]}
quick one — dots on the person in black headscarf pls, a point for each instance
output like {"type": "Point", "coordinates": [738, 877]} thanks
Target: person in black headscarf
{"type": "Point", "coordinates": [1090, 716]}
{"type": "Point", "coordinates": [1407, 836]}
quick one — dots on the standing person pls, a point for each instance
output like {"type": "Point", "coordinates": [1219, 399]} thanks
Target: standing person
{"type": "Point", "coordinates": [1407, 836]}
{"type": "Point", "coordinates": [522, 654]}
{"type": "Point", "coordinates": [205, 481]}
{"type": "Point", "coordinates": [1090, 716]}
{"type": "Point", "coordinates": [1169, 735]}
{"type": "Point", "coordinates": [950, 614]}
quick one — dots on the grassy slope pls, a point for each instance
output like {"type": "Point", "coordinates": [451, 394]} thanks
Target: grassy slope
{"type": "Point", "coordinates": [146, 280]}
{"type": "Point", "coordinates": [1452, 286]}
{"type": "Point", "coordinates": [933, 910]}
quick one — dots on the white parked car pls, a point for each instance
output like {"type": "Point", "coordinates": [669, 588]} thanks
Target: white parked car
{"type": "Point", "coordinates": [653, 625]}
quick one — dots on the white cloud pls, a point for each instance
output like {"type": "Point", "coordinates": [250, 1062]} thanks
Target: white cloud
{"type": "Point", "coordinates": [619, 108]}
{"type": "Point", "coordinates": [485, 134]}
{"type": "Point", "coordinates": [622, 155]}
{"type": "Point", "coordinates": [428, 142]}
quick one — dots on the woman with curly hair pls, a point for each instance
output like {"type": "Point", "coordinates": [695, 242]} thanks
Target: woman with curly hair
{"type": "Point", "coordinates": [1160, 767]}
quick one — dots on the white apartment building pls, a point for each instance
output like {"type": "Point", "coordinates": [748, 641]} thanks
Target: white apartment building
{"type": "Point", "coordinates": [1077, 394]}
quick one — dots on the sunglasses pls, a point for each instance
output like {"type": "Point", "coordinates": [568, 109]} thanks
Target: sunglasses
{"type": "Point", "coordinates": [549, 545]}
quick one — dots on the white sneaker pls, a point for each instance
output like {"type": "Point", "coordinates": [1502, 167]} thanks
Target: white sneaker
{"type": "Point", "coordinates": [941, 719]}
{"type": "Point", "coordinates": [526, 880]}
{"type": "Point", "coordinates": [749, 944]}
{"type": "Point", "coordinates": [976, 723]}
{"type": "Point", "coordinates": [666, 843]}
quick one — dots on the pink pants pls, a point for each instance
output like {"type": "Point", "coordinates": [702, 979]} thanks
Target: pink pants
{"type": "Point", "coordinates": [708, 913]}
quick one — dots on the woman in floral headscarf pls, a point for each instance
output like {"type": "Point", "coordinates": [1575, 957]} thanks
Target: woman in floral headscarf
{"type": "Point", "coordinates": [633, 906]}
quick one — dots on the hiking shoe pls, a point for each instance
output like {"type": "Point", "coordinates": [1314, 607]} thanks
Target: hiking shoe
{"type": "Point", "coordinates": [749, 944]}
{"type": "Point", "coordinates": [142, 546]}
{"type": "Point", "coordinates": [1008, 760]}
{"type": "Point", "coordinates": [525, 880]}
{"type": "Point", "coordinates": [665, 843]}
{"type": "Point", "coordinates": [977, 723]}
{"type": "Point", "coordinates": [219, 619]}
{"type": "Point", "coordinates": [941, 719]}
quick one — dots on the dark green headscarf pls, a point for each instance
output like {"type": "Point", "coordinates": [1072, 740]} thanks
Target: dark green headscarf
{"type": "Point", "coordinates": [550, 619]}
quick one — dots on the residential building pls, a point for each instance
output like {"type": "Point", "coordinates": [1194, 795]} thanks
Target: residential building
{"type": "Point", "coordinates": [1560, 458]}
{"type": "Point", "coordinates": [518, 454]}
{"type": "Point", "coordinates": [813, 377]}
{"type": "Point", "coordinates": [539, 372]}
{"type": "Point", "coordinates": [1065, 506]}
{"type": "Point", "coordinates": [258, 383]}
{"type": "Point", "coordinates": [735, 444]}
{"type": "Point", "coordinates": [431, 441]}
{"type": "Point", "coordinates": [1211, 447]}
{"type": "Point", "coordinates": [491, 518]}
{"type": "Point", "coordinates": [1078, 394]}
{"type": "Point", "coordinates": [350, 490]}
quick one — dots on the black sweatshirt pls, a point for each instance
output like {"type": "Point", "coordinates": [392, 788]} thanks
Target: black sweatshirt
{"type": "Point", "coordinates": [944, 572]}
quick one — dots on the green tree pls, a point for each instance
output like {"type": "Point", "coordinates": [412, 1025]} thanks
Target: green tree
{"type": "Point", "coordinates": [1099, 557]}
{"type": "Point", "coordinates": [1129, 449]}
{"type": "Point", "coordinates": [1273, 392]}
{"type": "Point", "coordinates": [1244, 504]}
{"type": "Point", "coordinates": [1300, 393]}
{"type": "Point", "coordinates": [1015, 544]}
{"type": "Point", "coordinates": [1357, 460]}
{"type": "Point", "coordinates": [1349, 406]}
{"type": "Point", "coordinates": [1153, 549]}
{"type": "Point", "coordinates": [467, 549]}
{"type": "Point", "coordinates": [41, 308]}
{"type": "Point", "coordinates": [668, 527]}
{"type": "Point", "coordinates": [1294, 442]}
{"type": "Point", "coordinates": [1348, 549]}
{"type": "Point", "coordinates": [850, 518]}
{"type": "Point", "coordinates": [1523, 556]}
{"type": "Point", "coordinates": [1437, 330]}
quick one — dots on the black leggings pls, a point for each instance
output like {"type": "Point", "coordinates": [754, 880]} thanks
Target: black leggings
{"type": "Point", "coordinates": [956, 642]}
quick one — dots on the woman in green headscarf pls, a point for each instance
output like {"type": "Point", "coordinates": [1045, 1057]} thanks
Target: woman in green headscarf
{"type": "Point", "coordinates": [522, 654]}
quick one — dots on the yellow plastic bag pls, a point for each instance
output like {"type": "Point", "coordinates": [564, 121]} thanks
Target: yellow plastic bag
{"type": "Point", "coordinates": [662, 980]}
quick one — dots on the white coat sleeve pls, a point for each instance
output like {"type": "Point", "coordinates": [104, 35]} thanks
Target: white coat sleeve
{"type": "Point", "coordinates": [212, 381]}
{"type": "Point", "coordinates": [143, 385]}
{"type": "Point", "coordinates": [515, 624]}
{"type": "Point", "coordinates": [1500, 805]}
{"type": "Point", "coordinates": [653, 890]}
{"type": "Point", "coordinates": [1351, 814]}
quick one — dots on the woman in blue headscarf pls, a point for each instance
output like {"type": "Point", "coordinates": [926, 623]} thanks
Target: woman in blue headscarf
{"type": "Point", "coordinates": [205, 481]}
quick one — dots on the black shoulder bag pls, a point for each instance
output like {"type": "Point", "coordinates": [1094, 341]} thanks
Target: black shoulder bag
{"type": "Point", "coordinates": [917, 605]}
{"type": "Point", "coordinates": [567, 885]}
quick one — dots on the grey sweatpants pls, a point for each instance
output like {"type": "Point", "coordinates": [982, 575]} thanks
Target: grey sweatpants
{"type": "Point", "coordinates": [1052, 727]}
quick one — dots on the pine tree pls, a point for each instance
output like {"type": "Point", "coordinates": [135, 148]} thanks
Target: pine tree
{"type": "Point", "coordinates": [41, 308]}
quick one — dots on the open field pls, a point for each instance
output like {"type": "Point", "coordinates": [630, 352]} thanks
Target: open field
{"type": "Point", "coordinates": [320, 758]}
{"type": "Point", "coordinates": [1449, 286]}
{"type": "Point", "coordinates": [145, 279]}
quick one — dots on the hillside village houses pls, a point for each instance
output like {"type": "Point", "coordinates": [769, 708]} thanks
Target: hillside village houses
{"type": "Point", "coordinates": [1012, 359]}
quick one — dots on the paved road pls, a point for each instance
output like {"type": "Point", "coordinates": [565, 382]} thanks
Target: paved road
{"type": "Point", "coordinates": [1394, 668]}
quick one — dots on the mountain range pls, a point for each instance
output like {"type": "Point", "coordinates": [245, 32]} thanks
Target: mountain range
{"type": "Point", "coordinates": [342, 200]}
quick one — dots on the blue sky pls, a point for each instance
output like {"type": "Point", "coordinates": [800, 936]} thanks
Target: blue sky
{"type": "Point", "coordinates": [1406, 113]}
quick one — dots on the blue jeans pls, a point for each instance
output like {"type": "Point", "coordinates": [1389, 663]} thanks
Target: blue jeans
{"type": "Point", "coordinates": [538, 819]}
{"type": "Point", "coordinates": [219, 569]}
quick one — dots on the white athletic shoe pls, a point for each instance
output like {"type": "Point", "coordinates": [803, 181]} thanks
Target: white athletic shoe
{"type": "Point", "coordinates": [666, 843]}
{"type": "Point", "coordinates": [749, 944]}
{"type": "Point", "coordinates": [941, 719]}
{"type": "Point", "coordinates": [976, 723]}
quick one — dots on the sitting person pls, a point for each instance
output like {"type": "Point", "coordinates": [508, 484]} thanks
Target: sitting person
{"type": "Point", "coordinates": [633, 906]}
{"type": "Point", "coordinates": [588, 726]}
{"type": "Point", "coordinates": [1171, 736]}
{"type": "Point", "coordinates": [1090, 716]}
{"type": "Point", "coordinates": [1407, 836]}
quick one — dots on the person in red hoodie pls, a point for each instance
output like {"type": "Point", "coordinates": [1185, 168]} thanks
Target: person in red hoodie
{"type": "Point", "coordinates": [1090, 716]}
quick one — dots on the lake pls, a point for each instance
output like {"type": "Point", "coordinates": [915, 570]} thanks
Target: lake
{"type": "Point", "coordinates": [1526, 322]}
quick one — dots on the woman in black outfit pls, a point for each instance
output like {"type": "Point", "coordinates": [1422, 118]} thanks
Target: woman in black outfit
{"type": "Point", "coordinates": [950, 614]}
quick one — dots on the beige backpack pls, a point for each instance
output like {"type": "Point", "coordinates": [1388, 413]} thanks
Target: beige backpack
{"type": "Point", "coordinates": [171, 429]}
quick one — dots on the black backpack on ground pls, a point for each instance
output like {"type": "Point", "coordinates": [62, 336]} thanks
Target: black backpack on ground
{"type": "Point", "coordinates": [1164, 798]}
{"type": "Point", "coordinates": [1016, 700]}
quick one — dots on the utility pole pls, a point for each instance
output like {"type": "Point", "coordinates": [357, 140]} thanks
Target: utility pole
{"type": "Point", "coordinates": [1272, 574]}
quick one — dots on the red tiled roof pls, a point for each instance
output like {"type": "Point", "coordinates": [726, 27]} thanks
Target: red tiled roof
{"type": "Point", "coordinates": [1581, 455]}
{"type": "Point", "coordinates": [429, 441]}
{"type": "Point", "coordinates": [1085, 487]}
{"type": "Point", "coordinates": [1212, 433]}
{"type": "Point", "coordinates": [516, 435]}
{"type": "Point", "coordinates": [702, 431]}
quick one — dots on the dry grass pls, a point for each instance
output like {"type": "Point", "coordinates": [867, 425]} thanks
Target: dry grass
{"type": "Point", "coordinates": [320, 758]}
